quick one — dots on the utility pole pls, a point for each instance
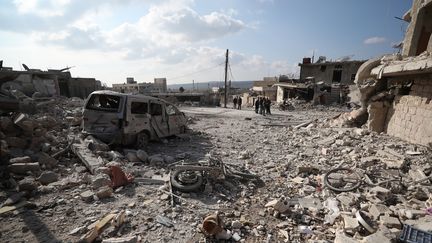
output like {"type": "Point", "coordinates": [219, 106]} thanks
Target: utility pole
{"type": "Point", "coordinates": [226, 72]}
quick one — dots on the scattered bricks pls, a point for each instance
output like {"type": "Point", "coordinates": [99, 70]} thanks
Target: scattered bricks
{"type": "Point", "coordinates": [48, 161]}
{"type": "Point", "coordinates": [100, 181]}
{"type": "Point", "coordinates": [416, 174]}
{"type": "Point", "coordinates": [23, 168]}
{"type": "Point", "coordinates": [104, 192]}
{"type": "Point", "coordinates": [25, 159]}
{"type": "Point", "coordinates": [16, 142]}
{"type": "Point", "coordinates": [142, 155]}
{"type": "Point", "coordinates": [377, 210]}
{"type": "Point", "coordinates": [48, 177]}
{"type": "Point", "coordinates": [27, 184]}
{"type": "Point", "coordinates": [87, 196]}
{"type": "Point", "coordinates": [350, 224]}
{"type": "Point", "coordinates": [390, 222]}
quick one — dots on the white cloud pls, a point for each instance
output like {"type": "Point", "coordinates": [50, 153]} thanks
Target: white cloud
{"type": "Point", "coordinates": [169, 39]}
{"type": "Point", "coordinates": [374, 40]}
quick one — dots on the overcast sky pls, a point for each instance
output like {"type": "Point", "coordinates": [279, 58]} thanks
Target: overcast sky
{"type": "Point", "coordinates": [185, 40]}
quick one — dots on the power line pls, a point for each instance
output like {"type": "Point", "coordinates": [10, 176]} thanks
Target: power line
{"type": "Point", "coordinates": [232, 76]}
{"type": "Point", "coordinates": [199, 71]}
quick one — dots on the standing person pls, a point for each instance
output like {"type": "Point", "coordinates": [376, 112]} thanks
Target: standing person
{"type": "Point", "coordinates": [256, 105]}
{"type": "Point", "coordinates": [239, 102]}
{"type": "Point", "coordinates": [262, 109]}
{"type": "Point", "coordinates": [235, 102]}
{"type": "Point", "coordinates": [268, 105]}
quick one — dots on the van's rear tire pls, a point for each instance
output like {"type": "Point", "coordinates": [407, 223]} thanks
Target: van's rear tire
{"type": "Point", "coordinates": [142, 140]}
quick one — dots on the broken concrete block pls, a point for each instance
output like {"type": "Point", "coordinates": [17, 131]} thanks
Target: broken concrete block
{"type": "Point", "coordinates": [104, 192]}
{"type": "Point", "coordinates": [169, 159]}
{"type": "Point", "coordinates": [343, 238]}
{"type": "Point", "coordinates": [87, 196]}
{"type": "Point", "coordinates": [142, 155]}
{"type": "Point", "coordinates": [101, 170]}
{"type": "Point", "coordinates": [23, 168]}
{"type": "Point", "coordinates": [48, 161]}
{"type": "Point", "coordinates": [25, 159]}
{"type": "Point", "coordinates": [156, 159]}
{"type": "Point", "coordinates": [131, 239]}
{"type": "Point", "coordinates": [280, 205]}
{"type": "Point", "coordinates": [379, 236]}
{"type": "Point", "coordinates": [380, 192]}
{"type": "Point", "coordinates": [100, 181]}
{"type": "Point", "coordinates": [48, 177]}
{"type": "Point", "coordinates": [376, 210]}
{"type": "Point", "coordinates": [391, 222]}
{"type": "Point", "coordinates": [236, 224]}
{"type": "Point", "coordinates": [16, 142]}
{"type": "Point", "coordinates": [132, 157]}
{"type": "Point", "coordinates": [27, 184]}
{"type": "Point", "coordinates": [350, 224]}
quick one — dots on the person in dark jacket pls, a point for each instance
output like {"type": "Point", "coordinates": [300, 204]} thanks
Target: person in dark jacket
{"type": "Point", "coordinates": [256, 105]}
{"type": "Point", "coordinates": [267, 106]}
{"type": "Point", "coordinates": [239, 102]}
{"type": "Point", "coordinates": [262, 108]}
{"type": "Point", "coordinates": [235, 102]}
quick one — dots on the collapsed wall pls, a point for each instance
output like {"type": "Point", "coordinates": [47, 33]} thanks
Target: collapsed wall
{"type": "Point", "coordinates": [409, 116]}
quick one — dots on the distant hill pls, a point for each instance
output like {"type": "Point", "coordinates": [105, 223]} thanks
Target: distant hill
{"type": "Point", "coordinates": [206, 85]}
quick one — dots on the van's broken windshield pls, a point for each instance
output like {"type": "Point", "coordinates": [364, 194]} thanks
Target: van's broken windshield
{"type": "Point", "coordinates": [109, 103]}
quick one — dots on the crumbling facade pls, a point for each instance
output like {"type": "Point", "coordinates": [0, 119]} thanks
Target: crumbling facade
{"type": "Point", "coordinates": [396, 90]}
{"type": "Point", "coordinates": [46, 83]}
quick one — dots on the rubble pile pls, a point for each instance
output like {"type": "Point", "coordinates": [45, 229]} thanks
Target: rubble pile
{"type": "Point", "coordinates": [316, 183]}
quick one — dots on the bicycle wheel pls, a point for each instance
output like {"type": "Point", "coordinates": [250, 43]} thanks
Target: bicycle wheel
{"type": "Point", "coordinates": [342, 180]}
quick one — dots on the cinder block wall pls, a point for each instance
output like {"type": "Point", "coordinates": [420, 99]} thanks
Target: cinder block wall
{"type": "Point", "coordinates": [410, 116]}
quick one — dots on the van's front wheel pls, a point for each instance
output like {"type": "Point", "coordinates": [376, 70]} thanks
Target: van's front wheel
{"type": "Point", "coordinates": [142, 140]}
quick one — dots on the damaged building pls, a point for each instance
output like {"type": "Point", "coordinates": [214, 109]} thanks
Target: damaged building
{"type": "Point", "coordinates": [396, 90]}
{"type": "Point", "coordinates": [48, 83]}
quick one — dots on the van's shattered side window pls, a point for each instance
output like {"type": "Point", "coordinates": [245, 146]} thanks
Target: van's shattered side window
{"type": "Point", "coordinates": [155, 109]}
{"type": "Point", "coordinates": [139, 108]}
{"type": "Point", "coordinates": [109, 103]}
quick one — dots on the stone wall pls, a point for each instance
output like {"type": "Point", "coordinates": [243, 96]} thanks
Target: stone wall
{"type": "Point", "coordinates": [410, 116]}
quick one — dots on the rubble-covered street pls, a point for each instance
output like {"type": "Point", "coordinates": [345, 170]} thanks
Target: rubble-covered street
{"type": "Point", "coordinates": [58, 199]}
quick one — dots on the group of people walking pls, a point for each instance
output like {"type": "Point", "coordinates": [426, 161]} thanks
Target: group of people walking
{"type": "Point", "coordinates": [237, 102]}
{"type": "Point", "coordinates": [262, 106]}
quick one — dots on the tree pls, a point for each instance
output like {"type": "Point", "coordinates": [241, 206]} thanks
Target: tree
{"type": "Point", "coordinates": [181, 89]}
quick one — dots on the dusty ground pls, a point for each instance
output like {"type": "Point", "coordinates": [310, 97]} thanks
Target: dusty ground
{"type": "Point", "coordinates": [268, 146]}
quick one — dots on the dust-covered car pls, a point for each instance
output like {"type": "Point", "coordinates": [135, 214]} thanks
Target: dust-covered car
{"type": "Point", "coordinates": [117, 118]}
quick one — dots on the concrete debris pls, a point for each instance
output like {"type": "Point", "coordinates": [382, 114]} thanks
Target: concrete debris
{"type": "Point", "coordinates": [131, 239]}
{"type": "Point", "coordinates": [87, 196]}
{"type": "Point", "coordinates": [142, 155]}
{"type": "Point", "coordinates": [48, 177]}
{"type": "Point", "coordinates": [263, 179]}
{"type": "Point", "coordinates": [23, 168]}
{"type": "Point", "coordinates": [104, 192]}
{"type": "Point", "coordinates": [100, 181]}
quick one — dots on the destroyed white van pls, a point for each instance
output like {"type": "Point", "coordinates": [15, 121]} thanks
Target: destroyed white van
{"type": "Point", "coordinates": [117, 118]}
